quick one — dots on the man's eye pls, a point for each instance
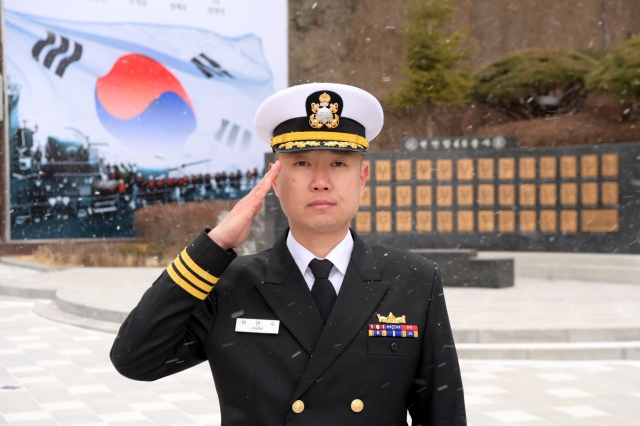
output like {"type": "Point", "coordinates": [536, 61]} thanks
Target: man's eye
{"type": "Point", "coordinates": [301, 163]}
{"type": "Point", "coordinates": [339, 164]}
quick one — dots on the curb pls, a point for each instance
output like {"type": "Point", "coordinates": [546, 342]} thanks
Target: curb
{"type": "Point", "coordinates": [52, 311]}
{"type": "Point", "coordinates": [26, 265]}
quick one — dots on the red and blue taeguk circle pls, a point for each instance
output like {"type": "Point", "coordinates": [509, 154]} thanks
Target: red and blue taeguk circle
{"type": "Point", "coordinates": [143, 105]}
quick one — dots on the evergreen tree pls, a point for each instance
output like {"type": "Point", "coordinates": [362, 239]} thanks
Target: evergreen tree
{"type": "Point", "coordinates": [431, 73]}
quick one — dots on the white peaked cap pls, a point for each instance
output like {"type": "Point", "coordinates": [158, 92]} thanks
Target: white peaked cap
{"type": "Point", "coordinates": [291, 103]}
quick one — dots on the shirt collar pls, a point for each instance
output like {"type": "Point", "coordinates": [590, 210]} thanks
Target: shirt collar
{"type": "Point", "coordinates": [339, 256]}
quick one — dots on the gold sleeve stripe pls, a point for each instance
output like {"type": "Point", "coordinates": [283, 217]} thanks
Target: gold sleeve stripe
{"type": "Point", "coordinates": [204, 275]}
{"type": "Point", "coordinates": [201, 284]}
{"type": "Point", "coordinates": [185, 285]}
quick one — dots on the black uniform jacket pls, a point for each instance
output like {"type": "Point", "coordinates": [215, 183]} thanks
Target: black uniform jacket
{"type": "Point", "coordinates": [259, 376]}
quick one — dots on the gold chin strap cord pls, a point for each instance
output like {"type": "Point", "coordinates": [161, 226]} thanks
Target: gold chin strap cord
{"type": "Point", "coordinates": [320, 136]}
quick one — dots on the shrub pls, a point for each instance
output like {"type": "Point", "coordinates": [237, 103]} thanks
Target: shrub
{"type": "Point", "coordinates": [100, 253]}
{"type": "Point", "coordinates": [163, 230]}
{"type": "Point", "coordinates": [618, 73]}
{"type": "Point", "coordinates": [168, 228]}
{"type": "Point", "coordinates": [535, 82]}
{"type": "Point", "coordinates": [432, 55]}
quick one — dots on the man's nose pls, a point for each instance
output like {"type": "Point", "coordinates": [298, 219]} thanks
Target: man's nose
{"type": "Point", "coordinates": [321, 182]}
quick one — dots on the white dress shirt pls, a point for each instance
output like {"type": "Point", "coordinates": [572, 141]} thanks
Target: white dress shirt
{"type": "Point", "coordinates": [339, 256]}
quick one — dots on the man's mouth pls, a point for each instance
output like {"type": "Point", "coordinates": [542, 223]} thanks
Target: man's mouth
{"type": "Point", "coordinates": [321, 203]}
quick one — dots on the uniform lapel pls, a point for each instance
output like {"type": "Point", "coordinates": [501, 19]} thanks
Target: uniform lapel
{"type": "Point", "coordinates": [287, 294]}
{"type": "Point", "coordinates": [359, 295]}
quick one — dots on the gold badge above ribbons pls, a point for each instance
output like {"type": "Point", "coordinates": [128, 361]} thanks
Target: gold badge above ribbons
{"type": "Point", "coordinates": [392, 319]}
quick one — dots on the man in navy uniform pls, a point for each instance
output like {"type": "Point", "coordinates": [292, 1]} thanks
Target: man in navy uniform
{"type": "Point", "coordinates": [323, 328]}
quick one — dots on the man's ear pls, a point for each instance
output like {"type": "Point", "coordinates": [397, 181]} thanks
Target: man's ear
{"type": "Point", "coordinates": [364, 175]}
{"type": "Point", "coordinates": [274, 184]}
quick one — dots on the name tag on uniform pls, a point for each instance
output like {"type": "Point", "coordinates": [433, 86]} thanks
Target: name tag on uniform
{"type": "Point", "coordinates": [248, 325]}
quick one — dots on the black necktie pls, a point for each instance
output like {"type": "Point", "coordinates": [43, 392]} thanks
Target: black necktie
{"type": "Point", "coordinates": [322, 291]}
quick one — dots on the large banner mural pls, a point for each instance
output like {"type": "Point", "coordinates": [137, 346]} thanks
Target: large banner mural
{"type": "Point", "coordinates": [118, 104]}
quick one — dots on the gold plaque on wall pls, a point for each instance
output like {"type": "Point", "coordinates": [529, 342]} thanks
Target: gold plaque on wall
{"type": "Point", "coordinates": [527, 168]}
{"type": "Point", "coordinates": [485, 168]}
{"type": "Point", "coordinates": [423, 169]}
{"type": "Point", "coordinates": [365, 200]}
{"type": "Point", "coordinates": [363, 222]}
{"type": "Point", "coordinates": [383, 170]}
{"type": "Point", "coordinates": [610, 193]}
{"type": "Point", "coordinates": [568, 166]}
{"type": "Point", "coordinates": [465, 221]}
{"type": "Point", "coordinates": [548, 167]}
{"type": "Point", "coordinates": [486, 195]}
{"type": "Point", "coordinates": [600, 220]}
{"type": "Point", "coordinates": [383, 221]}
{"type": "Point", "coordinates": [444, 195]}
{"type": "Point", "coordinates": [507, 221]}
{"type": "Point", "coordinates": [609, 165]}
{"type": "Point", "coordinates": [403, 221]}
{"type": "Point", "coordinates": [423, 195]}
{"type": "Point", "coordinates": [589, 166]}
{"type": "Point", "coordinates": [465, 195]}
{"type": "Point", "coordinates": [368, 163]}
{"type": "Point", "coordinates": [527, 194]}
{"type": "Point", "coordinates": [445, 221]}
{"type": "Point", "coordinates": [424, 221]}
{"type": "Point", "coordinates": [444, 169]}
{"type": "Point", "coordinates": [383, 196]}
{"type": "Point", "coordinates": [403, 170]}
{"type": "Point", "coordinates": [548, 221]}
{"type": "Point", "coordinates": [569, 221]}
{"type": "Point", "coordinates": [589, 193]}
{"type": "Point", "coordinates": [486, 221]}
{"type": "Point", "coordinates": [527, 220]}
{"type": "Point", "coordinates": [465, 169]}
{"type": "Point", "coordinates": [507, 194]}
{"type": "Point", "coordinates": [506, 168]}
{"type": "Point", "coordinates": [569, 194]}
{"type": "Point", "coordinates": [548, 194]}
{"type": "Point", "coordinates": [403, 195]}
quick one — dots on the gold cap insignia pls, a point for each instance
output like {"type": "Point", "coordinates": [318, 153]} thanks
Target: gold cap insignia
{"type": "Point", "coordinates": [324, 113]}
{"type": "Point", "coordinates": [392, 319]}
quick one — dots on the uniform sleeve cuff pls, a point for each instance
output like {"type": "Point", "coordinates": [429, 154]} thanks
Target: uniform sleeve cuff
{"type": "Point", "coordinates": [199, 266]}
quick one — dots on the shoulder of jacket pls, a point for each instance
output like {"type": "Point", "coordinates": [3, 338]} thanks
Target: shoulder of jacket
{"type": "Point", "coordinates": [252, 259]}
{"type": "Point", "coordinates": [385, 254]}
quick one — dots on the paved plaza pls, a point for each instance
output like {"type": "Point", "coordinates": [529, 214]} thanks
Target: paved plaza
{"type": "Point", "coordinates": [56, 374]}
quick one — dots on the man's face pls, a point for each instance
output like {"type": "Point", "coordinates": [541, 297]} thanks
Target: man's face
{"type": "Point", "coordinates": [320, 190]}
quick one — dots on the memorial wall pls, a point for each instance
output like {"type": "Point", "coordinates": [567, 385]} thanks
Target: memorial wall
{"type": "Point", "coordinates": [487, 194]}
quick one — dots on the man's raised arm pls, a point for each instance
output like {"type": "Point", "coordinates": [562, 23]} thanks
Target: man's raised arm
{"type": "Point", "coordinates": [165, 332]}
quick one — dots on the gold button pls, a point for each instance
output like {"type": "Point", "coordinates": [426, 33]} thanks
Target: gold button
{"type": "Point", "coordinates": [298, 407]}
{"type": "Point", "coordinates": [357, 405]}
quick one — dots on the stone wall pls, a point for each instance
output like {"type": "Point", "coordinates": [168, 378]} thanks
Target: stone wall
{"type": "Point", "coordinates": [360, 42]}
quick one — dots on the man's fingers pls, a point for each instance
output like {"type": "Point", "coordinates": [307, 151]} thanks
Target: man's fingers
{"type": "Point", "coordinates": [253, 200]}
{"type": "Point", "coordinates": [263, 188]}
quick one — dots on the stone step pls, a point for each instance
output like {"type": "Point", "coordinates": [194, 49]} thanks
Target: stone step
{"type": "Point", "coordinates": [462, 268]}
{"type": "Point", "coordinates": [551, 351]}
{"type": "Point", "coordinates": [611, 268]}
{"type": "Point", "coordinates": [548, 335]}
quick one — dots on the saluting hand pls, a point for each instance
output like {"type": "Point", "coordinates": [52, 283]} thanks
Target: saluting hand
{"type": "Point", "coordinates": [234, 229]}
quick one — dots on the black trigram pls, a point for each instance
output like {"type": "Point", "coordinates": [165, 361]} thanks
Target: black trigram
{"type": "Point", "coordinates": [56, 51]}
{"type": "Point", "coordinates": [209, 67]}
{"type": "Point", "coordinates": [233, 134]}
